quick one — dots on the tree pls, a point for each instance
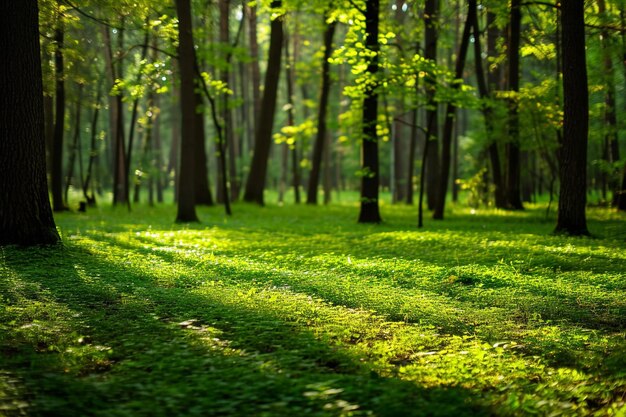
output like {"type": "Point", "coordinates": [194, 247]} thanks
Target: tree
{"type": "Point", "coordinates": [513, 188]}
{"type": "Point", "coordinates": [431, 169]}
{"type": "Point", "coordinates": [25, 212]}
{"type": "Point", "coordinates": [186, 56]}
{"type": "Point", "coordinates": [446, 139]}
{"type": "Point", "coordinates": [370, 176]}
{"type": "Point", "coordinates": [263, 140]}
{"type": "Point", "coordinates": [573, 153]}
{"type": "Point", "coordinates": [320, 138]}
{"type": "Point", "coordinates": [59, 121]}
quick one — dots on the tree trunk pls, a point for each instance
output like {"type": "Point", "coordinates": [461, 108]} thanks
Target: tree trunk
{"type": "Point", "coordinates": [202, 190]}
{"type": "Point", "coordinates": [255, 73]}
{"type": "Point", "coordinates": [93, 150]}
{"type": "Point", "coordinates": [621, 200]}
{"type": "Point", "coordinates": [484, 90]}
{"type": "Point", "coordinates": [320, 138]}
{"type": "Point", "coordinates": [75, 143]}
{"type": "Point", "coordinates": [295, 160]}
{"type": "Point", "coordinates": [26, 216]}
{"type": "Point", "coordinates": [258, 170]}
{"type": "Point", "coordinates": [573, 168]}
{"type": "Point", "coordinates": [514, 178]}
{"type": "Point", "coordinates": [370, 176]}
{"type": "Point", "coordinates": [186, 185]}
{"type": "Point", "coordinates": [448, 127]}
{"type": "Point", "coordinates": [59, 124]}
{"type": "Point", "coordinates": [431, 12]}
{"type": "Point", "coordinates": [610, 106]}
{"type": "Point", "coordinates": [133, 118]}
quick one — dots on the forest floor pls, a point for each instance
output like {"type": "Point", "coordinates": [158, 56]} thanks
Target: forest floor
{"type": "Point", "coordinates": [285, 311]}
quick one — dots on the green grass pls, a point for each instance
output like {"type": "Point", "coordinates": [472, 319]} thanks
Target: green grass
{"type": "Point", "coordinates": [282, 311]}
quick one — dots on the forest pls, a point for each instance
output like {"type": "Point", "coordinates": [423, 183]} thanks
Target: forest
{"type": "Point", "coordinates": [325, 208]}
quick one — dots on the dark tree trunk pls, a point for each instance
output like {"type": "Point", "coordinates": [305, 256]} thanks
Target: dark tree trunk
{"type": "Point", "coordinates": [485, 93]}
{"type": "Point", "coordinates": [327, 175]}
{"type": "Point", "coordinates": [59, 124]}
{"type": "Point", "coordinates": [133, 119]}
{"type": "Point", "coordinates": [411, 162]}
{"type": "Point", "coordinates": [320, 138]}
{"type": "Point", "coordinates": [573, 153]}
{"type": "Point", "coordinates": [514, 178]}
{"type": "Point", "coordinates": [610, 106]}
{"type": "Point", "coordinates": [448, 127]}
{"type": "Point", "coordinates": [431, 12]}
{"type": "Point", "coordinates": [93, 150]}
{"type": "Point", "coordinates": [202, 190]}
{"type": "Point", "coordinates": [157, 152]}
{"type": "Point", "coordinates": [172, 164]}
{"type": "Point", "coordinates": [186, 181]}
{"type": "Point", "coordinates": [258, 170]}
{"type": "Point", "coordinates": [255, 73]}
{"type": "Point", "coordinates": [25, 213]}
{"type": "Point", "coordinates": [621, 199]}
{"type": "Point", "coordinates": [75, 144]}
{"type": "Point", "coordinates": [116, 107]}
{"type": "Point", "coordinates": [295, 160]}
{"type": "Point", "coordinates": [370, 178]}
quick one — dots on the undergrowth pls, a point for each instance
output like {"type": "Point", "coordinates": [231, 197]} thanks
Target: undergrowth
{"type": "Point", "coordinates": [282, 311]}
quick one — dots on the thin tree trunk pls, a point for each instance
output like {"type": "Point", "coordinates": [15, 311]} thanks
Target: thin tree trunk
{"type": "Point", "coordinates": [59, 123]}
{"type": "Point", "coordinates": [295, 159]}
{"type": "Point", "coordinates": [610, 105]}
{"type": "Point", "coordinates": [484, 90]}
{"type": "Point", "coordinates": [512, 148]}
{"type": "Point", "coordinates": [133, 117]}
{"type": "Point", "coordinates": [255, 73]}
{"type": "Point", "coordinates": [431, 12]}
{"type": "Point", "coordinates": [202, 191]}
{"type": "Point", "coordinates": [446, 139]}
{"type": "Point", "coordinates": [327, 177]}
{"type": "Point", "coordinates": [621, 200]}
{"type": "Point", "coordinates": [258, 170]}
{"type": "Point", "coordinates": [75, 143]}
{"type": "Point", "coordinates": [93, 151]}
{"type": "Point", "coordinates": [320, 138]}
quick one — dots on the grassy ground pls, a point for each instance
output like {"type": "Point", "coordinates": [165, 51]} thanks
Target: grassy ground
{"type": "Point", "coordinates": [283, 311]}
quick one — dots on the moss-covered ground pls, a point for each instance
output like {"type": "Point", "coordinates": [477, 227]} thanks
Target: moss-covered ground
{"type": "Point", "coordinates": [300, 311]}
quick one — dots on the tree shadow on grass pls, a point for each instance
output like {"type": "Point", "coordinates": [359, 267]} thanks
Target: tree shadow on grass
{"type": "Point", "coordinates": [553, 347]}
{"type": "Point", "coordinates": [531, 299]}
{"type": "Point", "coordinates": [122, 346]}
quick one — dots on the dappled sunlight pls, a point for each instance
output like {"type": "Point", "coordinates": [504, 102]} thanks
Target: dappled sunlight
{"type": "Point", "coordinates": [340, 317]}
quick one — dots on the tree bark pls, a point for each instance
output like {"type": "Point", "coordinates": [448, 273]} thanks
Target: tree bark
{"type": "Point", "coordinates": [202, 189]}
{"type": "Point", "coordinates": [295, 160]}
{"type": "Point", "coordinates": [59, 123]}
{"type": "Point", "coordinates": [610, 106]}
{"type": "Point", "coordinates": [431, 12]}
{"type": "Point", "coordinates": [93, 151]}
{"type": "Point", "coordinates": [514, 200]}
{"type": "Point", "coordinates": [370, 176]}
{"type": "Point", "coordinates": [255, 73]}
{"type": "Point", "coordinates": [25, 213]}
{"type": "Point", "coordinates": [258, 170]}
{"type": "Point", "coordinates": [75, 143]}
{"type": "Point", "coordinates": [320, 138]}
{"type": "Point", "coordinates": [484, 90]}
{"type": "Point", "coordinates": [573, 153]}
{"type": "Point", "coordinates": [186, 185]}
{"type": "Point", "coordinates": [448, 127]}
